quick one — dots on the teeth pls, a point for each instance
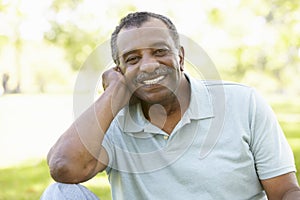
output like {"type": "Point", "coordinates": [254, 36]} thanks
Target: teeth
{"type": "Point", "coordinates": [153, 81]}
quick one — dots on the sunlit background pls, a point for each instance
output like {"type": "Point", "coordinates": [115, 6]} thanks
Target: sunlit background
{"type": "Point", "coordinates": [43, 45]}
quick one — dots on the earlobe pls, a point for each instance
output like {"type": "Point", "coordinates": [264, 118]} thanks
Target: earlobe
{"type": "Point", "coordinates": [181, 68]}
{"type": "Point", "coordinates": [120, 69]}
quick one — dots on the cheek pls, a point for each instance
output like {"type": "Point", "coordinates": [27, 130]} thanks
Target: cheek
{"type": "Point", "coordinates": [130, 75]}
{"type": "Point", "coordinates": [129, 69]}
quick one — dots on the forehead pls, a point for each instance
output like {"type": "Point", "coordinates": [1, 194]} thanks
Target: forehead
{"type": "Point", "coordinates": [150, 34]}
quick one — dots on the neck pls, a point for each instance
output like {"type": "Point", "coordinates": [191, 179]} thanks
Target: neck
{"type": "Point", "coordinates": [167, 113]}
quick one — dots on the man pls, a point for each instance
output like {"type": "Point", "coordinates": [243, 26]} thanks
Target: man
{"type": "Point", "coordinates": [153, 120]}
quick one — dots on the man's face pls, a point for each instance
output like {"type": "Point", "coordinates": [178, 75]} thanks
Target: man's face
{"type": "Point", "coordinates": [150, 61]}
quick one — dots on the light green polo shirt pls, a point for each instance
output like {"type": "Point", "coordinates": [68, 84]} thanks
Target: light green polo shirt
{"type": "Point", "coordinates": [227, 140]}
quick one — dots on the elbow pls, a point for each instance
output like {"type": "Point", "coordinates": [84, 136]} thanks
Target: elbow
{"type": "Point", "coordinates": [62, 172]}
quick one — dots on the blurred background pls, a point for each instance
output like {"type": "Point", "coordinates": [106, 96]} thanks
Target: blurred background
{"type": "Point", "coordinates": [43, 45]}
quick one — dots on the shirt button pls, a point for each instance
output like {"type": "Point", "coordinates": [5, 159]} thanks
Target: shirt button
{"type": "Point", "coordinates": [166, 137]}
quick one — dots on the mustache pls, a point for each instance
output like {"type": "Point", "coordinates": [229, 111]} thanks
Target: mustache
{"type": "Point", "coordinates": [161, 71]}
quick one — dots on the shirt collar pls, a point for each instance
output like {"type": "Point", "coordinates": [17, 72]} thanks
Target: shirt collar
{"type": "Point", "coordinates": [201, 103]}
{"type": "Point", "coordinates": [131, 118]}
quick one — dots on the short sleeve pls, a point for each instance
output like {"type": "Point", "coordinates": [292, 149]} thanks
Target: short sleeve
{"type": "Point", "coordinates": [272, 153]}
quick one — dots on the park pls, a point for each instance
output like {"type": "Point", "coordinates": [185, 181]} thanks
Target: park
{"type": "Point", "coordinates": [43, 47]}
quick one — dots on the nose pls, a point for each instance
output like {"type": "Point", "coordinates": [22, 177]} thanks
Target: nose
{"type": "Point", "coordinates": [148, 64]}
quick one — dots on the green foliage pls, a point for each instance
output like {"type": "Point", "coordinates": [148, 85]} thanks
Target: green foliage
{"type": "Point", "coordinates": [76, 54]}
{"type": "Point", "coordinates": [73, 32]}
{"type": "Point", "coordinates": [3, 40]}
{"type": "Point", "coordinates": [244, 36]}
{"type": "Point", "coordinates": [59, 5]}
{"type": "Point", "coordinates": [77, 43]}
{"type": "Point", "coordinates": [215, 16]}
{"type": "Point", "coordinates": [2, 6]}
{"type": "Point", "coordinates": [67, 33]}
{"type": "Point", "coordinates": [258, 35]}
{"type": "Point", "coordinates": [286, 106]}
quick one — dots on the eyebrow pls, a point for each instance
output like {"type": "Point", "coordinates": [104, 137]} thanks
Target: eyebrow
{"type": "Point", "coordinates": [154, 45]}
{"type": "Point", "coordinates": [124, 55]}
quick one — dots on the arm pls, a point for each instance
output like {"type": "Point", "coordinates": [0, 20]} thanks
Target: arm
{"type": "Point", "coordinates": [78, 154]}
{"type": "Point", "coordinates": [272, 153]}
{"type": "Point", "coordinates": [284, 187]}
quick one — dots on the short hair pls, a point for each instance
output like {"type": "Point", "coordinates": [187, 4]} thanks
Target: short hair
{"type": "Point", "coordinates": [136, 19]}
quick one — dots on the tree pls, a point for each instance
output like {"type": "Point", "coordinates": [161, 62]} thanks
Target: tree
{"type": "Point", "coordinates": [65, 32]}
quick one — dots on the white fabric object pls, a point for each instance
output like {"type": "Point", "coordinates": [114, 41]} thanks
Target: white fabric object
{"type": "Point", "coordinates": [61, 191]}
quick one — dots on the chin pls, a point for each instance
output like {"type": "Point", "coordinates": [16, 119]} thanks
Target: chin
{"type": "Point", "coordinates": [155, 94]}
{"type": "Point", "coordinates": [156, 98]}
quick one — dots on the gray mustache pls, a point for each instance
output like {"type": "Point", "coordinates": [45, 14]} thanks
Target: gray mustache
{"type": "Point", "coordinates": [161, 71]}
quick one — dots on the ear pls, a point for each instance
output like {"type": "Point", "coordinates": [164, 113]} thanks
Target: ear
{"type": "Point", "coordinates": [181, 58]}
{"type": "Point", "coordinates": [121, 67]}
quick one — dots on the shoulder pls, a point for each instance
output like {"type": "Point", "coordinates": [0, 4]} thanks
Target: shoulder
{"type": "Point", "coordinates": [227, 88]}
{"type": "Point", "coordinates": [210, 84]}
{"type": "Point", "coordinates": [228, 85]}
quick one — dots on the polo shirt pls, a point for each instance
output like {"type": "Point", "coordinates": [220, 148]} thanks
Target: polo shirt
{"type": "Point", "coordinates": [226, 142]}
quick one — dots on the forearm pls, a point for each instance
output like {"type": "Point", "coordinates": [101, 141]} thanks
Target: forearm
{"type": "Point", "coordinates": [91, 126]}
{"type": "Point", "coordinates": [76, 154]}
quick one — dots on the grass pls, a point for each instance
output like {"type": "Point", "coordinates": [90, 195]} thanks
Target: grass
{"type": "Point", "coordinates": [28, 180]}
{"type": "Point", "coordinates": [23, 182]}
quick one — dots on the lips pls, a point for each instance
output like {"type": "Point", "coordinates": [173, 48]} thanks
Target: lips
{"type": "Point", "coordinates": [153, 78]}
{"type": "Point", "coordinates": [153, 81]}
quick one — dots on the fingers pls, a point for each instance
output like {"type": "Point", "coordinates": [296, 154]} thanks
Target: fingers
{"type": "Point", "coordinates": [111, 75]}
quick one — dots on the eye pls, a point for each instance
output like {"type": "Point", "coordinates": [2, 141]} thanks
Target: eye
{"type": "Point", "coordinates": [161, 52]}
{"type": "Point", "coordinates": [132, 60]}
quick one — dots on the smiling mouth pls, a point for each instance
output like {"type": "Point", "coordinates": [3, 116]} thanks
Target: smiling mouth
{"type": "Point", "coordinates": [153, 81]}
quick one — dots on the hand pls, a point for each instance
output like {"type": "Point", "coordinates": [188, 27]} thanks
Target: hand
{"type": "Point", "coordinates": [111, 77]}
{"type": "Point", "coordinates": [114, 83]}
